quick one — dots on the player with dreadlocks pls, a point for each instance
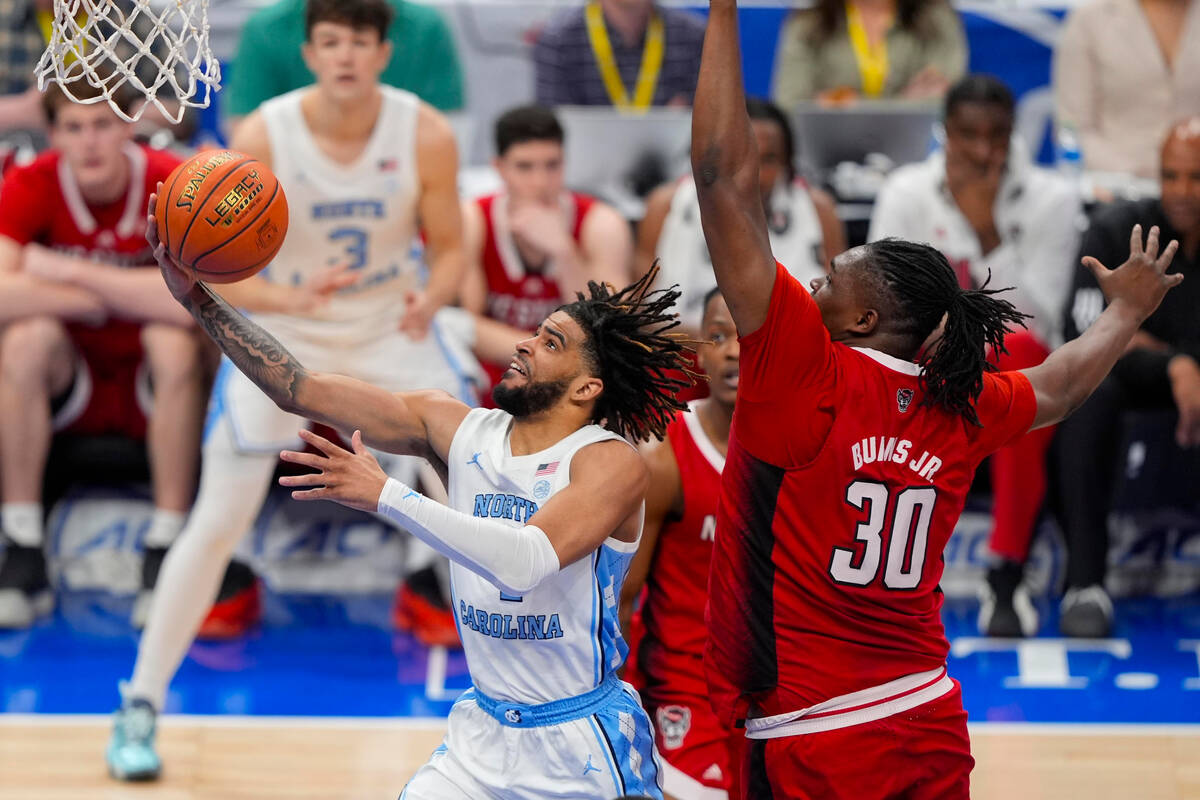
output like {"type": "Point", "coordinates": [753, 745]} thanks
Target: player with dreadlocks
{"type": "Point", "coordinates": [545, 515]}
{"type": "Point", "coordinates": [849, 461]}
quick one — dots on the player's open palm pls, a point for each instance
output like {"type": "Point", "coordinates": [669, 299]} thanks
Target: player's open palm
{"type": "Point", "coordinates": [1142, 281]}
{"type": "Point", "coordinates": [350, 477]}
{"type": "Point", "coordinates": [180, 279]}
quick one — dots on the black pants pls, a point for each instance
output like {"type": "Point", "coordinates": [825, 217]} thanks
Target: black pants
{"type": "Point", "coordinates": [1087, 443]}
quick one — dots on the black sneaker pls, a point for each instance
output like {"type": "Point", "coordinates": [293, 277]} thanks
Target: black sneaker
{"type": "Point", "coordinates": [1086, 613]}
{"type": "Point", "coordinates": [152, 559]}
{"type": "Point", "coordinates": [24, 590]}
{"type": "Point", "coordinates": [1005, 609]}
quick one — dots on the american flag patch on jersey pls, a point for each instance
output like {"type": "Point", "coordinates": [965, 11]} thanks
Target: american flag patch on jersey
{"type": "Point", "coordinates": [545, 469]}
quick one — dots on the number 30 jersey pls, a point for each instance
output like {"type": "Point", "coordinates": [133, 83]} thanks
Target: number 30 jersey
{"type": "Point", "coordinates": [840, 491]}
{"type": "Point", "coordinates": [362, 215]}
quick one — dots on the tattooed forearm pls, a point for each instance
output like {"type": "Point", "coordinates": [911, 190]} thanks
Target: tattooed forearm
{"type": "Point", "coordinates": [252, 350]}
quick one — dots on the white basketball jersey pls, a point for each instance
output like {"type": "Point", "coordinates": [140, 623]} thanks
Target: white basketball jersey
{"type": "Point", "coordinates": [796, 240]}
{"type": "Point", "coordinates": [563, 638]}
{"type": "Point", "coordinates": [363, 215]}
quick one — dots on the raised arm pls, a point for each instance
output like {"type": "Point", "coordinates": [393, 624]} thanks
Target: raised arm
{"type": "Point", "coordinates": [1134, 290]}
{"type": "Point", "coordinates": [412, 423]}
{"type": "Point", "coordinates": [725, 166]}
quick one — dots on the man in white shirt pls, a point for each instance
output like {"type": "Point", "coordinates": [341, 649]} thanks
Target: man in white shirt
{"type": "Point", "coordinates": [997, 218]}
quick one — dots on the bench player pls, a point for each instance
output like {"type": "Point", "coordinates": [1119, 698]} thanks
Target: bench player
{"type": "Point", "coordinates": [533, 245]}
{"type": "Point", "coordinates": [92, 344]}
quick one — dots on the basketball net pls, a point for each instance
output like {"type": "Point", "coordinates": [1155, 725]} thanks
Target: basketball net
{"type": "Point", "coordinates": [158, 47]}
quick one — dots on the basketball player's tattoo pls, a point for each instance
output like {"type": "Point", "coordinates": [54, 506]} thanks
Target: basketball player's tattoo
{"type": "Point", "coordinates": [254, 351]}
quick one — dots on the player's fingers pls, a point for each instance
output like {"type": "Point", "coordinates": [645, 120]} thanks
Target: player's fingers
{"type": "Point", "coordinates": [1098, 269]}
{"type": "Point", "coordinates": [1135, 241]}
{"type": "Point", "coordinates": [304, 459]}
{"type": "Point", "coordinates": [342, 281]}
{"type": "Point", "coordinates": [320, 442]}
{"type": "Point", "coordinates": [309, 479]}
{"type": "Point", "coordinates": [310, 494]}
{"type": "Point", "coordinates": [357, 443]}
{"type": "Point", "coordinates": [1174, 280]}
{"type": "Point", "coordinates": [1152, 243]}
{"type": "Point", "coordinates": [1168, 254]}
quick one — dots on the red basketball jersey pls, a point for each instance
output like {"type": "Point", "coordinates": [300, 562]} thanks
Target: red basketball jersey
{"type": "Point", "coordinates": [840, 492]}
{"type": "Point", "coordinates": [516, 296]}
{"type": "Point", "coordinates": [41, 203]}
{"type": "Point", "coordinates": [677, 584]}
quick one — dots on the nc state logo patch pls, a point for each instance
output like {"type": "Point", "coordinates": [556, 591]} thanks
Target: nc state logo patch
{"type": "Point", "coordinates": [903, 399]}
{"type": "Point", "coordinates": [673, 723]}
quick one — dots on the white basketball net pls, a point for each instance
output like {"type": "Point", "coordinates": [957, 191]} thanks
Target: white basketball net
{"type": "Point", "coordinates": [155, 46]}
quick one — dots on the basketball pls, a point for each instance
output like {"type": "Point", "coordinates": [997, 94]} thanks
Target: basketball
{"type": "Point", "coordinates": [223, 214]}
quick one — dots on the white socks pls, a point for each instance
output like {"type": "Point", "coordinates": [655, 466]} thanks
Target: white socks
{"type": "Point", "coordinates": [23, 523]}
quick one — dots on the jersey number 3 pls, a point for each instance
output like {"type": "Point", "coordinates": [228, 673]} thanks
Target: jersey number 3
{"type": "Point", "coordinates": [909, 513]}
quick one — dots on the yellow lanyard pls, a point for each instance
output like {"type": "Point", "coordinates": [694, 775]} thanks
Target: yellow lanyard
{"type": "Point", "coordinates": [652, 58]}
{"type": "Point", "coordinates": [872, 61]}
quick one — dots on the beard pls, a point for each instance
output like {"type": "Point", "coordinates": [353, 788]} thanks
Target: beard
{"type": "Point", "coordinates": [532, 398]}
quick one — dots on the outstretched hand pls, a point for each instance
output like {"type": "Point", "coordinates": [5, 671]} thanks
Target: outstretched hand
{"type": "Point", "coordinates": [179, 277]}
{"type": "Point", "coordinates": [1142, 282]}
{"type": "Point", "coordinates": [353, 479]}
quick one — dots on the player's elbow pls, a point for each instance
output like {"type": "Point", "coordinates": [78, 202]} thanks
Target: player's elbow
{"type": "Point", "coordinates": [706, 167]}
{"type": "Point", "coordinates": [716, 177]}
{"type": "Point", "coordinates": [533, 560]}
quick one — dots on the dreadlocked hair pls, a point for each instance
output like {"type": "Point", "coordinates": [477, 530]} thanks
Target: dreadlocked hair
{"type": "Point", "coordinates": [925, 289]}
{"type": "Point", "coordinates": [630, 345]}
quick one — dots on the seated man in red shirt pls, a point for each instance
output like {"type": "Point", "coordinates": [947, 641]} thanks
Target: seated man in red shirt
{"type": "Point", "coordinates": [93, 343]}
{"type": "Point", "coordinates": [531, 247]}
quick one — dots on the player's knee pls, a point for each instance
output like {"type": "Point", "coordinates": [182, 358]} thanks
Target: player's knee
{"type": "Point", "coordinates": [30, 348]}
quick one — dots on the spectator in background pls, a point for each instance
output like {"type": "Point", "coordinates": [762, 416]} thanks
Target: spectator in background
{"type": "Point", "coordinates": [268, 63]}
{"type": "Point", "coordinates": [532, 246]}
{"type": "Point", "coordinates": [840, 51]}
{"type": "Point", "coordinates": [25, 27]}
{"type": "Point", "coordinates": [1001, 222]}
{"type": "Point", "coordinates": [802, 222]}
{"type": "Point", "coordinates": [21, 44]}
{"type": "Point", "coordinates": [621, 53]}
{"type": "Point", "coordinates": [1160, 369]}
{"type": "Point", "coordinates": [92, 338]}
{"type": "Point", "coordinates": [1123, 71]}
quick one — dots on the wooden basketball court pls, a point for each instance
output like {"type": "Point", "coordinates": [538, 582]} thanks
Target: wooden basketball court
{"type": "Point", "coordinates": [218, 758]}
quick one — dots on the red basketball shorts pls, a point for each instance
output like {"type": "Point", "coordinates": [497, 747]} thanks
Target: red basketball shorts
{"type": "Point", "coordinates": [110, 393]}
{"type": "Point", "coordinates": [700, 757]}
{"type": "Point", "coordinates": [920, 754]}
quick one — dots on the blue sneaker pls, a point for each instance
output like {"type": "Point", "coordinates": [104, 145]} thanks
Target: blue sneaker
{"type": "Point", "coordinates": [130, 754]}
